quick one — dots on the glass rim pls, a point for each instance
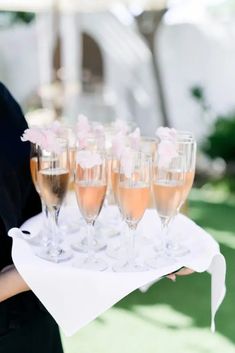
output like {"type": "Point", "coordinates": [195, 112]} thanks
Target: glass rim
{"type": "Point", "coordinates": [149, 138]}
{"type": "Point", "coordinates": [185, 134]}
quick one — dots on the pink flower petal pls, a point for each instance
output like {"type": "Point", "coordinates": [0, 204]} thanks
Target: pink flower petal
{"type": "Point", "coordinates": [98, 129]}
{"type": "Point", "coordinates": [127, 160]}
{"type": "Point", "coordinates": [83, 129]}
{"type": "Point", "coordinates": [166, 133]}
{"type": "Point", "coordinates": [167, 148]}
{"type": "Point", "coordinates": [57, 128]}
{"type": "Point", "coordinates": [51, 142]}
{"type": "Point", "coordinates": [45, 138]}
{"type": "Point", "coordinates": [135, 138]}
{"type": "Point", "coordinates": [83, 124]}
{"type": "Point", "coordinates": [121, 126]}
{"type": "Point", "coordinates": [33, 134]}
{"type": "Point", "coordinates": [88, 159]}
{"type": "Point", "coordinates": [118, 144]}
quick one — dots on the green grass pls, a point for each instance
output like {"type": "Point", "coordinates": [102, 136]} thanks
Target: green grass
{"type": "Point", "coordinates": [173, 317]}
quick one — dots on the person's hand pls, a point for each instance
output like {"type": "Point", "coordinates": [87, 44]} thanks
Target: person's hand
{"type": "Point", "coordinates": [11, 283]}
{"type": "Point", "coordinates": [182, 272]}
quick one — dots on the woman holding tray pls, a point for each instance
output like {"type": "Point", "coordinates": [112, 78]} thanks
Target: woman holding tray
{"type": "Point", "coordinates": [25, 325]}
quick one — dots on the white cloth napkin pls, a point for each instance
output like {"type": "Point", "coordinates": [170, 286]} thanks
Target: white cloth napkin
{"type": "Point", "coordinates": [75, 297]}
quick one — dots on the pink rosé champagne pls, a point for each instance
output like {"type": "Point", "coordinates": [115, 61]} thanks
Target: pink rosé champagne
{"type": "Point", "coordinates": [167, 197]}
{"type": "Point", "coordinates": [53, 184]}
{"type": "Point", "coordinates": [133, 200]}
{"type": "Point", "coordinates": [114, 179]}
{"type": "Point", "coordinates": [33, 170]}
{"type": "Point", "coordinates": [72, 166]}
{"type": "Point", "coordinates": [72, 159]}
{"type": "Point", "coordinates": [53, 179]}
{"type": "Point", "coordinates": [90, 197]}
{"type": "Point", "coordinates": [90, 186]}
{"type": "Point", "coordinates": [188, 182]}
{"type": "Point", "coordinates": [45, 163]}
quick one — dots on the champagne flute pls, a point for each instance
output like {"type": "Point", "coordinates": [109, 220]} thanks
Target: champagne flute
{"type": "Point", "coordinates": [67, 132]}
{"type": "Point", "coordinates": [167, 185]}
{"type": "Point", "coordinates": [186, 146]}
{"type": "Point", "coordinates": [70, 136]}
{"type": "Point", "coordinates": [93, 145]}
{"type": "Point", "coordinates": [133, 197]}
{"type": "Point", "coordinates": [53, 180]}
{"type": "Point", "coordinates": [148, 145]}
{"type": "Point", "coordinates": [71, 224]}
{"type": "Point", "coordinates": [117, 250]}
{"type": "Point", "coordinates": [90, 187]}
{"type": "Point", "coordinates": [34, 165]}
{"type": "Point", "coordinates": [43, 236]}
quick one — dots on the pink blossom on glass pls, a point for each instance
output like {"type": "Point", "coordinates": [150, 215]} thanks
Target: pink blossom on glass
{"type": "Point", "coordinates": [45, 138]}
{"type": "Point", "coordinates": [83, 124]}
{"type": "Point", "coordinates": [166, 151]}
{"type": "Point", "coordinates": [57, 128]}
{"type": "Point", "coordinates": [121, 126]}
{"type": "Point", "coordinates": [50, 142]}
{"type": "Point", "coordinates": [83, 129]}
{"type": "Point", "coordinates": [88, 159]}
{"type": "Point", "coordinates": [167, 147]}
{"type": "Point", "coordinates": [34, 135]}
{"type": "Point", "coordinates": [135, 138]}
{"type": "Point", "coordinates": [127, 161]}
{"type": "Point", "coordinates": [166, 133]}
{"type": "Point", "coordinates": [118, 144]}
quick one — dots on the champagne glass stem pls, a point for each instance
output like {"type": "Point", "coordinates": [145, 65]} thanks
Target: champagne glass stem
{"type": "Point", "coordinates": [54, 246]}
{"type": "Point", "coordinates": [90, 241]}
{"type": "Point", "coordinates": [174, 246]}
{"type": "Point", "coordinates": [44, 208]}
{"type": "Point", "coordinates": [131, 245]}
{"type": "Point", "coordinates": [164, 232]}
{"type": "Point", "coordinates": [45, 234]}
{"type": "Point", "coordinates": [170, 224]}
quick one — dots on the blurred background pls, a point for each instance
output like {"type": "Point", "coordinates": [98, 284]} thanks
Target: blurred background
{"type": "Point", "coordinates": [151, 62]}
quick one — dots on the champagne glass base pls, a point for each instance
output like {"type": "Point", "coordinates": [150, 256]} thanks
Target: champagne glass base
{"type": "Point", "coordinates": [158, 262]}
{"type": "Point", "coordinates": [56, 256]}
{"type": "Point", "coordinates": [159, 249]}
{"type": "Point", "coordinates": [82, 245]}
{"type": "Point", "coordinates": [117, 252]}
{"type": "Point", "coordinates": [91, 264]}
{"type": "Point", "coordinates": [122, 266]}
{"type": "Point", "coordinates": [177, 250]}
{"type": "Point", "coordinates": [107, 230]}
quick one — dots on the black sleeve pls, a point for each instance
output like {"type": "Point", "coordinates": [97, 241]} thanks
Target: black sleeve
{"type": "Point", "coordinates": [18, 198]}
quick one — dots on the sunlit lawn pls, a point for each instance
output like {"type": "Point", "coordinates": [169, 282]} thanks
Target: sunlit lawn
{"type": "Point", "coordinates": [173, 317]}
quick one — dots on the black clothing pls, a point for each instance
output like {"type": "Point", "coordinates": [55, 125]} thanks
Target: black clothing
{"type": "Point", "coordinates": [25, 325]}
{"type": "Point", "coordinates": [18, 198]}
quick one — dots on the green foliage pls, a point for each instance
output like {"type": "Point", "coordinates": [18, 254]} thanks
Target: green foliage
{"type": "Point", "coordinates": [25, 17]}
{"type": "Point", "coordinates": [197, 92]}
{"type": "Point", "coordinates": [221, 141]}
{"type": "Point", "coordinates": [8, 18]}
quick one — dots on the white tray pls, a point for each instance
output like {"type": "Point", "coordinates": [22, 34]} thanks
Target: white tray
{"type": "Point", "coordinates": [75, 297]}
